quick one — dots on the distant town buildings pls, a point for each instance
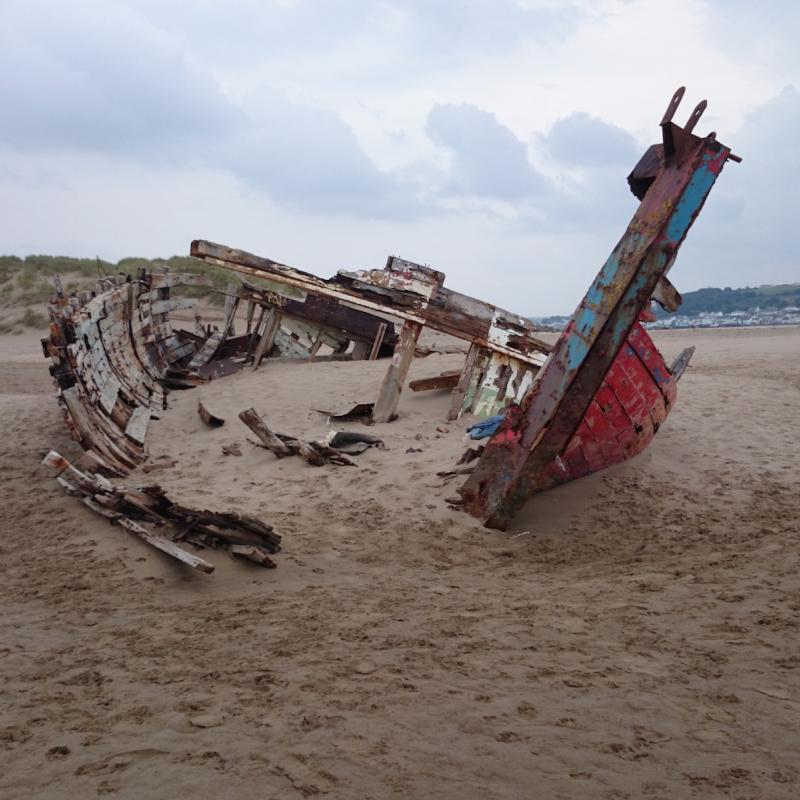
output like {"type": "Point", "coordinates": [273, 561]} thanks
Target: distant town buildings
{"type": "Point", "coordinates": [704, 319]}
{"type": "Point", "coordinates": [731, 319]}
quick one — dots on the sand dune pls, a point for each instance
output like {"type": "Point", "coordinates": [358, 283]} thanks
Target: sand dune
{"type": "Point", "coordinates": [634, 634]}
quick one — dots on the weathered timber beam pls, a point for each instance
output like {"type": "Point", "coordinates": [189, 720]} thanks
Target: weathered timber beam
{"type": "Point", "coordinates": [231, 304]}
{"type": "Point", "coordinates": [326, 312]}
{"type": "Point", "coordinates": [271, 326]}
{"type": "Point", "coordinates": [460, 390]}
{"type": "Point", "coordinates": [446, 311]}
{"type": "Point", "coordinates": [392, 386]}
{"type": "Point", "coordinates": [447, 380]}
{"type": "Point", "coordinates": [666, 295]}
{"type": "Point", "coordinates": [94, 487]}
{"type": "Point", "coordinates": [378, 341]}
{"type": "Point", "coordinates": [360, 350]}
{"type": "Point", "coordinates": [271, 441]}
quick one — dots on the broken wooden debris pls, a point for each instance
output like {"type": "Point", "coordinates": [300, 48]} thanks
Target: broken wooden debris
{"type": "Point", "coordinates": [452, 473]}
{"type": "Point", "coordinates": [445, 380]}
{"type": "Point", "coordinates": [131, 506]}
{"type": "Point", "coordinates": [470, 454]}
{"type": "Point", "coordinates": [113, 353]}
{"type": "Point", "coordinates": [316, 453]}
{"type": "Point", "coordinates": [212, 420]}
{"type": "Point", "coordinates": [232, 449]}
{"type": "Point", "coordinates": [271, 441]}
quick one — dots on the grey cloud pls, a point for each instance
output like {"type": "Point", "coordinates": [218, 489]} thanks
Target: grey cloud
{"type": "Point", "coordinates": [109, 82]}
{"type": "Point", "coordinates": [489, 160]}
{"type": "Point", "coordinates": [309, 158]}
{"type": "Point", "coordinates": [581, 140]}
{"type": "Point", "coordinates": [100, 81]}
{"type": "Point", "coordinates": [747, 225]}
{"type": "Point", "coordinates": [236, 32]}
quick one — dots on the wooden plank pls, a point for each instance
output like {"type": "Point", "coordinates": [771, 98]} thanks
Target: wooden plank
{"type": "Point", "coordinates": [377, 342]}
{"type": "Point", "coordinates": [360, 350]}
{"type": "Point", "coordinates": [316, 346]}
{"type": "Point", "coordinates": [254, 335]}
{"type": "Point", "coordinates": [206, 352]}
{"type": "Point", "coordinates": [212, 420]}
{"type": "Point", "coordinates": [251, 307]}
{"type": "Point", "coordinates": [136, 428]}
{"type": "Point", "coordinates": [447, 380]}
{"type": "Point", "coordinates": [154, 540]}
{"type": "Point", "coordinates": [268, 337]}
{"type": "Point", "coordinates": [666, 295]}
{"type": "Point", "coordinates": [253, 420]}
{"type": "Point", "coordinates": [257, 554]}
{"type": "Point", "coordinates": [460, 390]}
{"type": "Point", "coordinates": [389, 396]}
{"type": "Point", "coordinates": [231, 304]}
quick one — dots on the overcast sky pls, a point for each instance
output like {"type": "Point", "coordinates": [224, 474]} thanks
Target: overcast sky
{"type": "Point", "coordinates": [488, 138]}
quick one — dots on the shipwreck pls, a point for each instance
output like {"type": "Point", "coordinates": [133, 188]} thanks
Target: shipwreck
{"type": "Point", "coordinates": [594, 398]}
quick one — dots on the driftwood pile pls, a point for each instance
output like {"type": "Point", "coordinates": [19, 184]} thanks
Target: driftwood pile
{"type": "Point", "coordinates": [130, 506]}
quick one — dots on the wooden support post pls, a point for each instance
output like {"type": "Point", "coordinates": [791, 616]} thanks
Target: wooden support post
{"type": "Point", "coordinates": [268, 337]}
{"type": "Point", "coordinates": [251, 307]}
{"type": "Point", "coordinates": [376, 345]}
{"type": "Point", "coordinates": [255, 333]}
{"type": "Point", "coordinates": [389, 397]}
{"type": "Point", "coordinates": [231, 304]}
{"type": "Point", "coordinates": [460, 390]}
{"type": "Point", "coordinates": [271, 441]}
{"type": "Point", "coordinates": [360, 350]}
{"type": "Point", "coordinates": [316, 346]}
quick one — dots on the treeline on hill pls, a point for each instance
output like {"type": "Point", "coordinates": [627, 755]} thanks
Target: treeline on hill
{"type": "Point", "coordinates": [727, 299]}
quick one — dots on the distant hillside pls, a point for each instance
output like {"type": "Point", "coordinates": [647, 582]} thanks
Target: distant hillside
{"type": "Point", "coordinates": [707, 300]}
{"type": "Point", "coordinates": [26, 284]}
{"type": "Point", "coordinates": [727, 300]}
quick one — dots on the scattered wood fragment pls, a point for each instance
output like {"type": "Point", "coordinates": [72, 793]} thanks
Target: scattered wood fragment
{"type": "Point", "coordinates": [257, 554]}
{"type": "Point", "coordinates": [147, 468]}
{"type": "Point", "coordinates": [470, 454]}
{"type": "Point", "coordinates": [423, 350]}
{"type": "Point", "coordinates": [452, 473]}
{"type": "Point", "coordinates": [231, 449]}
{"type": "Point", "coordinates": [130, 506]}
{"type": "Point", "coordinates": [316, 453]}
{"type": "Point", "coordinates": [446, 380]}
{"type": "Point", "coordinates": [272, 442]}
{"type": "Point", "coordinates": [212, 420]}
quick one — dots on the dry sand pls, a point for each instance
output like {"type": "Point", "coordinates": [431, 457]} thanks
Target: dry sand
{"type": "Point", "coordinates": [634, 635]}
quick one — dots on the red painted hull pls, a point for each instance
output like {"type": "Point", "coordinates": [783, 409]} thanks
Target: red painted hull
{"type": "Point", "coordinates": [633, 401]}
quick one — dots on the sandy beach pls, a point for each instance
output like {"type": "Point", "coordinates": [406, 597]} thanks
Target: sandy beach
{"type": "Point", "coordinates": [634, 634]}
